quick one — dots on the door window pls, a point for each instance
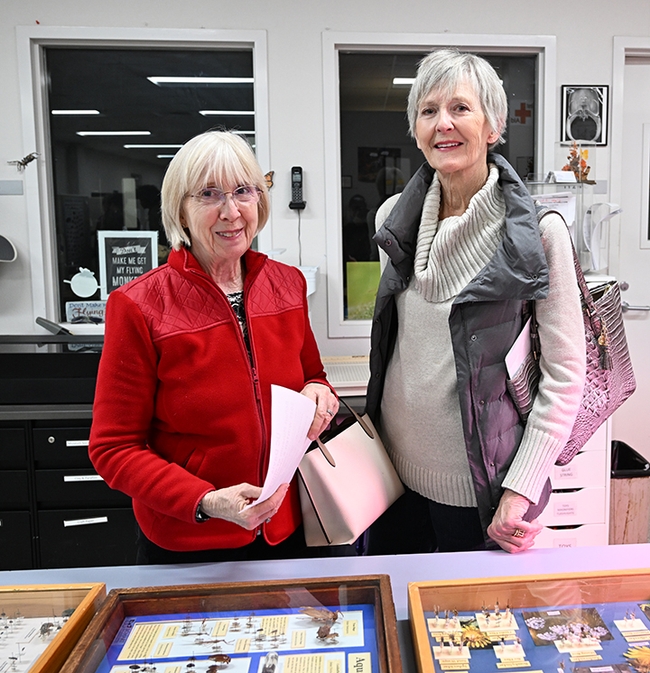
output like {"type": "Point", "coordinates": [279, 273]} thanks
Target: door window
{"type": "Point", "coordinates": [116, 118]}
{"type": "Point", "coordinates": [378, 157]}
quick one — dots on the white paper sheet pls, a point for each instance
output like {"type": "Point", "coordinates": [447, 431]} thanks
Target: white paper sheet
{"type": "Point", "coordinates": [291, 417]}
{"type": "Point", "coordinates": [520, 349]}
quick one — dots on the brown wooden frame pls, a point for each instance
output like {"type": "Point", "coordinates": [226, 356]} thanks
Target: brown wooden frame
{"type": "Point", "coordinates": [46, 600]}
{"type": "Point", "coordinates": [518, 592]}
{"type": "Point", "coordinates": [372, 590]}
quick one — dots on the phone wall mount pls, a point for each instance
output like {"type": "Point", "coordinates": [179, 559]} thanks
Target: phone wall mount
{"type": "Point", "coordinates": [297, 202]}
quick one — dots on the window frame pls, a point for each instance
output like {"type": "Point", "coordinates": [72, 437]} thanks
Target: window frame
{"type": "Point", "coordinates": [625, 48]}
{"type": "Point", "coordinates": [39, 190]}
{"type": "Point", "coordinates": [544, 46]}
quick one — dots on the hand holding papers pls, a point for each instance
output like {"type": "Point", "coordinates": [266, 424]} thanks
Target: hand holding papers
{"type": "Point", "coordinates": [291, 417]}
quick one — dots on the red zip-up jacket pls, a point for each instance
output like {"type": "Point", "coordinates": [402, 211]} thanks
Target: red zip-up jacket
{"type": "Point", "coordinates": [179, 411]}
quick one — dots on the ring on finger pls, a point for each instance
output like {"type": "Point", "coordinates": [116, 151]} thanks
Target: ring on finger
{"type": "Point", "coordinates": [329, 412]}
{"type": "Point", "coordinates": [518, 533]}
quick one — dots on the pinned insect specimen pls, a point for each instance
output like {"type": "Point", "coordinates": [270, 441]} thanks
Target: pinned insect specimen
{"type": "Point", "coordinates": [202, 640]}
{"type": "Point", "coordinates": [322, 615]}
{"type": "Point", "coordinates": [326, 635]}
{"type": "Point", "coordinates": [220, 660]}
{"type": "Point", "coordinates": [474, 637]}
{"type": "Point", "coordinates": [250, 622]}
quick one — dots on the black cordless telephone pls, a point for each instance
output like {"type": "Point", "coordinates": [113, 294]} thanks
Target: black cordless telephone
{"type": "Point", "coordinates": [297, 202]}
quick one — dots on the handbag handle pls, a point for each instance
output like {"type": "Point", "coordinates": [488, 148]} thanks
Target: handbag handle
{"type": "Point", "coordinates": [588, 305]}
{"type": "Point", "coordinates": [359, 420]}
{"type": "Point", "coordinates": [328, 456]}
{"type": "Point", "coordinates": [366, 428]}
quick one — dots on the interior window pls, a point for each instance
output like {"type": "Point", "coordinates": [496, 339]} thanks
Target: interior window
{"type": "Point", "coordinates": [378, 157]}
{"type": "Point", "coordinates": [116, 118]}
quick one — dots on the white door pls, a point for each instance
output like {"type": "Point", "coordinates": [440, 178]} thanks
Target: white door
{"type": "Point", "coordinates": [631, 423]}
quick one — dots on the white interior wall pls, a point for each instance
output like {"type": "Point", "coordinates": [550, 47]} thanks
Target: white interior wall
{"type": "Point", "coordinates": [294, 30]}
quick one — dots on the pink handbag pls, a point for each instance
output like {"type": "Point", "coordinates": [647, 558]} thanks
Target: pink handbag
{"type": "Point", "coordinates": [346, 481]}
{"type": "Point", "coordinates": [609, 376]}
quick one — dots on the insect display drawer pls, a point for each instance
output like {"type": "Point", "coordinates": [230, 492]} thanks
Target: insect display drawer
{"type": "Point", "coordinates": [40, 624]}
{"type": "Point", "coordinates": [334, 625]}
{"type": "Point", "coordinates": [581, 622]}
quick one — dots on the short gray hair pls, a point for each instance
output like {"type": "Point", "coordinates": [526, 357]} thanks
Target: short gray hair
{"type": "Point", "coordinates": [218, 158]}
{"type": "Point", "coordinates": [445, 69]}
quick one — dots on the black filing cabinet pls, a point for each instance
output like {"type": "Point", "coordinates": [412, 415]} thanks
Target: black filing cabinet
{"type": "Point", "coordinates": [81, 521]}
{"type": "Point", "coordinates": [15, 501]}
{"type": "Point", "coordinates": [55, 510]}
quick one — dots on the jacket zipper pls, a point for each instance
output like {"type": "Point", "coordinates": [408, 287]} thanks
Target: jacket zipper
{"type": "Point", "coordinates": [253, 372]}
{"type": "Point", "coordinates": [258, 400]}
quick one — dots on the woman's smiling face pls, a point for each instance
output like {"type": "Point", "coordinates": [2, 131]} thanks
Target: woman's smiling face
{"type": "Point", "coordinates": [453, 132]}
{"type": "Point", "coordinates": [220, 234]}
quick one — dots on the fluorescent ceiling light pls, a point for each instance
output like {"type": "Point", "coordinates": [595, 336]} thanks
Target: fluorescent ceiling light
{"type": "Point", "coordinates": [243, 133]}
{"type": "Point", "coordinates": [165, 156]}
{"type": "Point", "coordinates": [199, 81]}
{"type": "Point", "coordinates": [152, 147]}
{"type": "Point", "coordinates": [75, 113]}
{"type": "Point", "coordinates": [226, 113]}
{"type": "Point", "coordinates": [403, 81]}
{"type": "Point", "coordinates": [113, 133]}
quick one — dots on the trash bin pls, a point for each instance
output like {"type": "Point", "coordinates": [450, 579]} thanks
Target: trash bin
{"type": "Point", "coordinates": [629, 496]}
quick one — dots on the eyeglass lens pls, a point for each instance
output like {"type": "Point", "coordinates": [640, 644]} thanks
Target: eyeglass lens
{"type": "Point", "coordinates": [243, 194]}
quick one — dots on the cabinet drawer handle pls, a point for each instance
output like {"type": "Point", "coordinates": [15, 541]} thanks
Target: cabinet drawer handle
{"type": "Point", "coordinates": [82, 477]}
{"type": "Point", "coordinates": [85, 522]}
{"type": "Point", "coordinates": [77, 442]}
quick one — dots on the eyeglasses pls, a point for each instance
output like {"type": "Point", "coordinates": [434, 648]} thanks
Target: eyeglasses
{"type": "Point", "coordinates": [211, 196]}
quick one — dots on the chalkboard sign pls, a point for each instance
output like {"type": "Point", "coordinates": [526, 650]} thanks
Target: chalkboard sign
{"type": "Point", "coordinates": [125, 255]}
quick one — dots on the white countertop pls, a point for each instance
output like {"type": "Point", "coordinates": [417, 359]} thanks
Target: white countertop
{"type": "Point", "coordinates": [402, 569]}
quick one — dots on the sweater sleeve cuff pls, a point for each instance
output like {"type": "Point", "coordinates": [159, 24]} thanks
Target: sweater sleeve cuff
{"type": "Point", "coordinates": [533, 464]}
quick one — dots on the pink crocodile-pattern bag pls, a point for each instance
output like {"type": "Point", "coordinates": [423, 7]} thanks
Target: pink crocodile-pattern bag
{"type": "Point", "coordinates": [609, 377]}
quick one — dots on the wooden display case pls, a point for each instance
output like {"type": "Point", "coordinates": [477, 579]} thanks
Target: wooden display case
{"type": "Point", "coordinates": [595, 622]}
{"type": "Point", "coordinates": [40, 624]}
{"type": "Point", "coordinates": [333, 625]}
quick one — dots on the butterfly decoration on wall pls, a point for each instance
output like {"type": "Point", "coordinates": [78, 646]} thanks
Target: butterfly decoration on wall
{"type": "Point", "coordinates": [269, 179]}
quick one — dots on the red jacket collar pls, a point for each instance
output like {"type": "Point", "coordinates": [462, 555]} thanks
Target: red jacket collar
{"type": "Point", "coordinates": [186, 263]}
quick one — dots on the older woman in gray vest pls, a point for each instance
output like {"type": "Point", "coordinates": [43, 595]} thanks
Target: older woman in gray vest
{"type": "Point", "coordinates": [466, 254]}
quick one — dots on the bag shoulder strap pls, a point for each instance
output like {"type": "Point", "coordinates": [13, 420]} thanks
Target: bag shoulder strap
{"type": "Point", "coordinates": [588, 305]}
{"type": "Point", "coordinates": [361, 421]}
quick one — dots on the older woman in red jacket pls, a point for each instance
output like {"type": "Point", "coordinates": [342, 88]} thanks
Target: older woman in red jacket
{"type": "Point", "coordinates": [181, 420]}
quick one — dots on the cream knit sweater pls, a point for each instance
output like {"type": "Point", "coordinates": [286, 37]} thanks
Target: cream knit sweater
{"type": "Point", "coordinates": [420, 415]}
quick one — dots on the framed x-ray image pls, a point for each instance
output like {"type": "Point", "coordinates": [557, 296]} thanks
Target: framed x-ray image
{"type": "Point", "coordinates": [585, 114]}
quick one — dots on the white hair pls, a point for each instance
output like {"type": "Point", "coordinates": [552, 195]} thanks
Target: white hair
{"type": "Point", "coordinates": [217, 158]}
{"type": "Point", "coordinates": [445, 69]}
